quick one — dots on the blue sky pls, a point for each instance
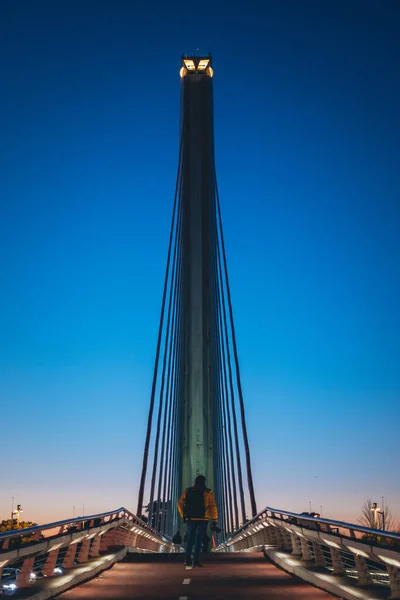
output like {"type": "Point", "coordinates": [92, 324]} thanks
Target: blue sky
{"type": "Point", "coordinates": [307, 136]}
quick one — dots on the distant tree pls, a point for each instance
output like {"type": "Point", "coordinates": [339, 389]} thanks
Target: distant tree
{"type": "Point", "coordinates": [395, 544]}
{"type": "Point", "coordinates": [9, 525]}
{"type": "Point", "coordinates": [367, 517]}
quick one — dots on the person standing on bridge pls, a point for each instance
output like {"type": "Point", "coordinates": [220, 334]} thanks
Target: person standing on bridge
{"type": "Point", "coordinates": [177, 541]}
{"type": "Point", "coordinates": [197, 507]}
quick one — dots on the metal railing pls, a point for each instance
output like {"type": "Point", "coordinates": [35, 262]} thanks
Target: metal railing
{"type": "Point", "coordinates": [42, 551]}
{"type": "Point", "coordinates": [330, 524]}
{"type": "Point", "coordinates": [302, 542]}
{"type": "Point", "coordinates": [15, 533]}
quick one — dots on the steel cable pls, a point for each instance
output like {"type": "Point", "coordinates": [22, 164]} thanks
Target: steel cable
{"type": "Point", "coordinates": [235, 353]}
{"type": "Point", "coordinates": [160, 329]}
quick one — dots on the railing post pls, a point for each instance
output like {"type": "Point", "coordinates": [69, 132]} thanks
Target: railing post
{"type": "Point", "coordinates": [352, 533]}
{"type": "Point", "coordinates": [287, 541]}
{"type": "Point", "coordinates": [69, 557]}
{"type": "Point", "coordinates": [24, 576]}
{"type": "Point", "coordinates": [363, 576]}
{"type": "Point", "coordinates": [394, 580]}
{"type": "Point", "coordinates": [278, 537]}
{"type": "Point", "coordinates": [265, 535]}
{"type": "Point", "coordinates": [318, 555]}
{"type": "Point", "coordinates": [282, 539]}
{"type": "Point", "coordinates": [337, 563]}
{"type": "Point", "coordinates": [272, 538]}
{"type": "Point", "coordinates": [84, 551]}
{"type": "Point", "coordinates": [50, 564]}
{"type": "Point", "coordinates": [305, 551]}
{"type": "Point", "coordinates": [296, 546]}
{"type": "Point", "coordinates": [95, 548]}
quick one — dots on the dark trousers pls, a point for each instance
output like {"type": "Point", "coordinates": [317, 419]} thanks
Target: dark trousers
{"type": "Point", "coordinates": [196, 531]}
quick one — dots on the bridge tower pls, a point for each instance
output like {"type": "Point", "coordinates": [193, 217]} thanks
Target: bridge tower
{"type": "Point", "coordinates": [199, 270]}
{"type": "Point", "coordinates": [196, 392]}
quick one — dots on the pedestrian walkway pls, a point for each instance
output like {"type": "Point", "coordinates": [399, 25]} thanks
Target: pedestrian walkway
{"type": "Point", "coordinates": [230, 576]}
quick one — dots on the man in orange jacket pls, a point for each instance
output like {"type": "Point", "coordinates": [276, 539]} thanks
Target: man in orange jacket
{"type": "Point", "coordinates": [197, 507]}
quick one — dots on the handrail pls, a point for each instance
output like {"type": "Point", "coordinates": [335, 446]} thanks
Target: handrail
{"type": "Point", "coordinates": [35, 528]}
{"type": "Point", "coordinates": [298, 543]}
{"type": "Point", "coordinates": [343, 524]}
{"type": "Point", "coordinates": [331, 522]}
{"type": "Point", "coordinates": [105, 537]}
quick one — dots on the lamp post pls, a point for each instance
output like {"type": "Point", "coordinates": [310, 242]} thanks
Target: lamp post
{"type": "Point", "coordinates": [376, 510]}
{"type": "Point", "coordinates": [16, 512]}
{"type": "Point", "coordinates": [382, 513]}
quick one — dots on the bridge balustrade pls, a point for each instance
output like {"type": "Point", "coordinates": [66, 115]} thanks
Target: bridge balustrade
{"type": "Point", "coordinates": [54, 548]}
{"type": "Point", "coordinates": [321, 550]}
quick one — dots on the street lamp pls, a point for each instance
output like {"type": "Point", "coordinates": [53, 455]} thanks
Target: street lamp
{"type": "Point", "coordinates": [16, 512]}
{"type": "Point", "coordinates": [383, 519]}
{"type": "Point", "coordinates": [376, 510]}
{"type": "Point", "coordinates": [12, 512]}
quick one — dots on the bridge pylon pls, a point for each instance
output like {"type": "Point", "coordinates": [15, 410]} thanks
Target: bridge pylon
{"type": "Point", "coordinates": [196, 403]}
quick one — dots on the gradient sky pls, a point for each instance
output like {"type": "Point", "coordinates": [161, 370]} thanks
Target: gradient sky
{"type": "Point", "coordinates": [307, 132]}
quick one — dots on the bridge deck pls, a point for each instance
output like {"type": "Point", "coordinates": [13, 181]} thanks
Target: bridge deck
{"type": "Point", "coordinates": [222, 576]}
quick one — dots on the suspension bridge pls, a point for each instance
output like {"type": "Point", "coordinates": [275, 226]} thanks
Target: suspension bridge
{"type": "Point", "coordinates": [196, 425]}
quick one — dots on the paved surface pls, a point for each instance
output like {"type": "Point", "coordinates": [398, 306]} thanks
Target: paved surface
{"type": "Point", "coordinates": [229, 576]}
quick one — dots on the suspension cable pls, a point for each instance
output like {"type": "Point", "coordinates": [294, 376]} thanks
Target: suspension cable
{"type": "Point", "coordinates": [161, 403]}
{"type": "Point", "coordinates": [155, 371]}
{"type": "Point", "coordinates": [227, 420]}
{"type": "Point", "coordinates": [232, 398]}
{"type": "Point", "coordinates": [235, 353]}
{"type": "Point", "coordinates": [171, 371]}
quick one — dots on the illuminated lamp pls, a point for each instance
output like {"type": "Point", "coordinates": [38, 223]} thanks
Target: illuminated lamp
{"type": "Point", "coordinates": [189, 65]}
{"type": "Point", "coordinates": [203, 64]}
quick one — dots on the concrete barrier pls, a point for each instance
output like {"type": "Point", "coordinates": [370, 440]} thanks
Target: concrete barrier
{"type": "Point", "coordinates": [77, 575]}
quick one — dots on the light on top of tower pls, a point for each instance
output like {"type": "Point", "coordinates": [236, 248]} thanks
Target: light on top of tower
{"type": "Point", "coordinates": [196, 65]}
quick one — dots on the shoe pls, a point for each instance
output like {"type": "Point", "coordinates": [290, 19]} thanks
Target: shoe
{"type": "Point", "coordinates": [188, 563]}
{"type": "Point", "coordinates": [197, 564]}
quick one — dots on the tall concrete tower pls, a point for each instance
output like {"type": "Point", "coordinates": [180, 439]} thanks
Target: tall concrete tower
{"type": "Point", "coordinates": [196, 397]}
{"type": "Point", "coordinates": [199, 269]}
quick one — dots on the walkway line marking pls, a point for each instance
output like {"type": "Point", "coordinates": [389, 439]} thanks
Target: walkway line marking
{"type": "Point", "coordinates": [186, 582]}
{"type": "Point", "coordinates": [183, 598]}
